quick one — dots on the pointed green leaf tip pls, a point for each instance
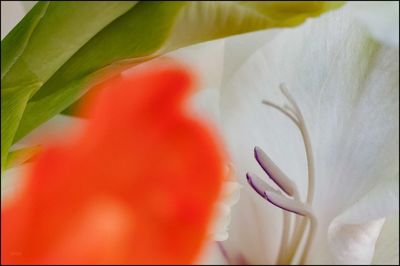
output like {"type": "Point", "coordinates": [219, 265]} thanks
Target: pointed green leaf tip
{"type": "Point", "coordinates": [60, 48]}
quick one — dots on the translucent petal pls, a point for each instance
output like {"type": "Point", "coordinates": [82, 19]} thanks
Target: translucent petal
{"type": "Point", "coordinates": [347, 89]}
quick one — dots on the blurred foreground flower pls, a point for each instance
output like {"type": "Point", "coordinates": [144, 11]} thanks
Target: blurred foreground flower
{"type": "Point", "coordinates": [137, 184]}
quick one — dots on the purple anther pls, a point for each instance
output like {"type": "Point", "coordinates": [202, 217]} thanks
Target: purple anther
{"type": "Point", "coordinates": [254, 186]}
{"type": "Point", "coordinates": [276, 175]}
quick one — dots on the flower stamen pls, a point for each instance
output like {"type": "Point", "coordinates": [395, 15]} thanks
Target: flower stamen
{"type": "Point", "coordinates": [294, 204]}
{"type": "Point", "coordinates": [289, 113]}
{"type": "Point", "coordinates": [307, 142]}
{"type": "Point", "coordinates": [259, 186]}
{"type": "Point", "coordinates": [274, 172]}
{"type": "Point", "coordinates": [287, 204]}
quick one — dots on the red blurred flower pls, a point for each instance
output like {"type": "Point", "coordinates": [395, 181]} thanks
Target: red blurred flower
{"type": "Point", "coordinates": [137, 185]}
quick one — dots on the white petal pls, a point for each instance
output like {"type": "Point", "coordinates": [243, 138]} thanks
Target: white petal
{"type": "Point", "coordinates": [354, 233]}
{"type": "Point", "coordinates": [220, 228]}
{"type": "Point", "coordinates": [56, 127]}
{"type": "Point", "coordinates": [354, 244]}
{"type": "Point", "coordinates": [348, 94]}
{"type": "Point", "coordinates": [11, 13]}
{"type": "Point", "coordinates": [381, 201]}
{"type": "Point", "coordinates": [380, 17]}
{"type": "Point", "coordinates": [238, 48]}
{"type": "Point", "coordinates": [11, 181]}
{"type": "Point", "coordinates": [347, 88]}
{"type": "Point", "coordinates": [205, 59]}
{"type": "Point", "coordinates": [229, 197]}
{"type": "Point", "coordinates": [28, 5]}
{"type": "Point", "coordinates": [205, 103]}
{"type": "Point", "coordinates": [211, 255]}
{"type": "Point", "coordinates": [231, 193]}
{"type": "Point", "coordinates": [255, 230]}
{"type": "Point", "coordinates": [387, 246]}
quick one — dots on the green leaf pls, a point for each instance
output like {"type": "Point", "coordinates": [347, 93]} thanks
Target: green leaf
{"type": "Point", "coordinates": [14, 44]}
{"type": "Point", "coordinates": [13, 103]}
{"type": "Point", "coordinates": [66, 47]}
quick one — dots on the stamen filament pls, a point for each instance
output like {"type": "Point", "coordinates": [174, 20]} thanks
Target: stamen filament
{"type": "Point", "coordinates": [287, 204]}
{"type": "Point", "coordinates": [285, 238]}
{"type": "Point", "coordinates": [300, 209]}
{"type": "Point", "coordinates": [288, 247]}
{"type": "Point", "coordinates": [283, 111]}
{"type": "Point", "coordinates": [290, 110]}
{"type": "Point", "coordinates": [310, 167]}
{"type": "Point", "coordinates": [307, 143]}
{"type": "Point", "coordinates": [297, 237]}
{"type": "Point", "coordinates": [310, 238]}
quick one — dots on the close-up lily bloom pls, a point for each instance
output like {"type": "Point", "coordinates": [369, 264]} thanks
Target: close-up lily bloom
{"type": "Point", "coordinates": [277, 146]}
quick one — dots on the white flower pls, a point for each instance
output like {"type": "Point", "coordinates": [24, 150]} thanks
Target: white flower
{"type": "Point", "coordinates": [345, 86]}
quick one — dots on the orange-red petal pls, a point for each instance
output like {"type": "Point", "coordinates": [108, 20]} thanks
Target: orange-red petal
{"type": "Point", "coordinates": [137, 185]}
